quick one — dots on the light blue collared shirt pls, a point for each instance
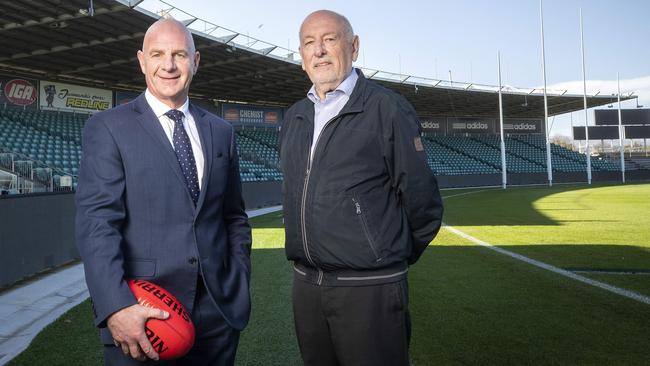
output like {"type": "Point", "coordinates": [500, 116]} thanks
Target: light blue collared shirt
{"type": "Point", "coordinates": [325, 110]}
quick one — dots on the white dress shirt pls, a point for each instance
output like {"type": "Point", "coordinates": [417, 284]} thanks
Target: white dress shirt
{"type": "Point", "coordinates": [160, 108]}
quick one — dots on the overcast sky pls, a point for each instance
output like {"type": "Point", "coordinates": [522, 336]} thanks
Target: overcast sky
{"type": "Point", "coordinates": [430, 38]}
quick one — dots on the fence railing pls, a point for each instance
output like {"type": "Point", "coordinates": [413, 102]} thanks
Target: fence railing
{"type": "Point", "coordinates": [32, 176]}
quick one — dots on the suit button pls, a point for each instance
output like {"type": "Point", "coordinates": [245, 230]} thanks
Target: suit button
{"type": "Point", "coordinates": [192, 260]}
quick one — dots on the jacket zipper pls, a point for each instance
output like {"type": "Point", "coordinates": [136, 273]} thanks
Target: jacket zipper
{"type": "Point", "coordinates": [366, 230]}
{"type": "Point", "coordinates": [319, 281]}
{"type": "Point", "coordinates": [304, 225]}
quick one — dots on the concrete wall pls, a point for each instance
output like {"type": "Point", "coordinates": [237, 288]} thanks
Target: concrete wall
{"type": "Point", "coordinates": [262, 194]}
{"type": "Point", "coordinates": [36, 233]}
{"type": "Point", "coordinates": [514, 179]}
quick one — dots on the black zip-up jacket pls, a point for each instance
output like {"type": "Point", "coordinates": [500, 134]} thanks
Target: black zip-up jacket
{"type": "Point", "coordinates": [367, 205]}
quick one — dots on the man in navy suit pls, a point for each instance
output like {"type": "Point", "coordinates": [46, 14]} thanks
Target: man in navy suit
{"type": "Point", "coordinates": [159, 198]}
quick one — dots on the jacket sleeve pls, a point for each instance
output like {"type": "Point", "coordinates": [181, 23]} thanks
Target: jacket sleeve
{"type": "Point", "coordinates": [234, 213]}
{"type": "Point", "coordinates": [412, 178]}
{"type": "Point", "coordinates": [100, 215]}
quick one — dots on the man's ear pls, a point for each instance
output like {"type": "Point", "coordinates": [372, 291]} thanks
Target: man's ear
{"type": "Point", "coordinates": [355, 48]}
{"type": "Point", "coordinates": [302, 59]}
{"type": "Point", "coordinates": [141, 61]}
{"type": "Point", "coordinates": [197, 58]}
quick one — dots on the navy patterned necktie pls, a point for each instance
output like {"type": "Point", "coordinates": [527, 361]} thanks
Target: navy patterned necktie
{"type": "Point", "coordinates": [184, 153]}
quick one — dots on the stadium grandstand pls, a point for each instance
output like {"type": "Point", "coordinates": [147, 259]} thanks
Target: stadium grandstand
{"type": "Point", "coordinates": [552, 299]}
{"type": "Point", "coordinates": [63, 61]}
{"type": "Point", "coordinates": [53, 80]}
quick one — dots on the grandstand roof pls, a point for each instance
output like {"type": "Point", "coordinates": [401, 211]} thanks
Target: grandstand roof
{"type": "Point", "coordinates": [66, 41]}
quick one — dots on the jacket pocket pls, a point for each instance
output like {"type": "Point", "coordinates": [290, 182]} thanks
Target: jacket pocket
{"type": "Point", "coordinates": [139, 268]}
{"type": "Point", "coordinates": [361, 214]}
{"type": "Point", "coordinates": [336, 236]}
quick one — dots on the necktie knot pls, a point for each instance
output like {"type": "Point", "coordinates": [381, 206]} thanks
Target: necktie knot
{"type": "Point", "coordinates": [175, 115]}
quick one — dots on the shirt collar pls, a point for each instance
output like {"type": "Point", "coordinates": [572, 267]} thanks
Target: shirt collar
{"type": "Point", "coordinates": [345, 87]}
{"type": "Point", "coordinates": [160, 108]}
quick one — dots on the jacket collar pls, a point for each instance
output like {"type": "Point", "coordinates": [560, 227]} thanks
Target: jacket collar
{"type": "Point", "coordinates": [149, 122]}
{"type": "Point", "coordinates": [205, 134]}
{"type": "Point", "coordinates": [354, 104]}
{"type": "Point", "coordinates": [357, 98]}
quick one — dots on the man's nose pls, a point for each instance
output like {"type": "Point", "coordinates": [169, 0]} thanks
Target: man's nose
{"type": "Point", "coordinates": [168, 63]}
{"type": "Point", "coordinates": [319, 49]}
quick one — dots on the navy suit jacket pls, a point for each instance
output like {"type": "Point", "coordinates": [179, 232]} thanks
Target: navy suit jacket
{"type": "Point", "coordinates": [136, 219]}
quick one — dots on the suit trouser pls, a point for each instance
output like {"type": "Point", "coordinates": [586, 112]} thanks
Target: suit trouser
{"type": "Point", "coordinates": [215, 343]}
{"type": "Point", "coordinates": [352, 325]}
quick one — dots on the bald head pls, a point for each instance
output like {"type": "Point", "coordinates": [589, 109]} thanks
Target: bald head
{"type": "Point", "coordinates": [168, 25]}
{"type": "Point", "coordinates": [327, 15]}
{"type": "Point", "coordinates": [169, 60]}
{"type": "Point", "coordinates": [328, 47]}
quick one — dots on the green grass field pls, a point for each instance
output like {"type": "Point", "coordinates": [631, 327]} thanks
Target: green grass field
{"type": "Point", "coordinates": [469, 304]}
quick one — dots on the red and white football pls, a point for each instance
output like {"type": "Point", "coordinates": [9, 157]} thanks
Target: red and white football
{"type": "Point", "coordinates": [173, 337]}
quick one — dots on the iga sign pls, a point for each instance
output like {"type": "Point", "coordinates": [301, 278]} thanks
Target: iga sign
{"type": "Point", "coordinates": [18, 92]}
{"type": "Point", "coordinates": [58, 96]}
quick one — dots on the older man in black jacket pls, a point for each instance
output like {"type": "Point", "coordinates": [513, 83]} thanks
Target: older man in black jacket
{"type": "Point", "coordinates": [360, 205]}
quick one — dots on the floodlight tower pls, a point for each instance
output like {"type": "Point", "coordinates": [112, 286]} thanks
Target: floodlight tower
{"type": "Point", "coordinates": [584, 89]}
{"type": "Point", "coordinates": [549, 168]}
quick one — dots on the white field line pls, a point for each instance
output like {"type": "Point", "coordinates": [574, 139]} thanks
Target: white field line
{"type": "Point", "coordinates": [612, 272]}
{"type": "Point", "coordinates": [465, 193]}
{"type": "Point", "coordinates": [613, 289]}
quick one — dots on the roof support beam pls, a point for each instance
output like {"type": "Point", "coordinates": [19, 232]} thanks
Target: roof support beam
{"type": "Point", "coordinates": [60, 17]}
{"type": "Point", "coordinates": [246, 75]}
{"type": "Point", "coordinates": [272, 84]}
{"type": "Point", "coordinates": [102, 65]}
{"type": "Point", "coordinates": [61, 48]}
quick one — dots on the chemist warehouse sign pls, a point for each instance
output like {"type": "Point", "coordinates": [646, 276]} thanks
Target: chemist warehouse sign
{"type": "Point", "coordinates": [18, 92]}
{"type": "Point", "coordinates": [251, 114]}
{"type": "Point", "coordinates": [58, 96]}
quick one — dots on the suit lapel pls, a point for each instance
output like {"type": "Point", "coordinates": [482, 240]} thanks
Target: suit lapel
{"type": "Point", "coordinates": [205, 134]}
{"type": "Point", "coordinates": [149, 122]}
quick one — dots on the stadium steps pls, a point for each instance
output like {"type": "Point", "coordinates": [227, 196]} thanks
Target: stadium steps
{"type": "Point", "coordinates": [20, 135]}
{"type": "Point", "coordinates": [515, 162]}
{"type": "Point", "coordinates": [639, 162]}
{"type": "Point", "coordinates": [446, 156]}
{"type": "Point", "coordinates": [558, 162]}
{"type": "Point", "coordinates": [563, 159]}
{"type": "Point", "coordinates": [259, 159]}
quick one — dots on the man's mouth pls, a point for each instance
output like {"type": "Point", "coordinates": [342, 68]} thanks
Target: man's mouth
{"type": "Point", "coordinates": [320, 64]}
{"type": "Point", "coordinates": [169, 78]}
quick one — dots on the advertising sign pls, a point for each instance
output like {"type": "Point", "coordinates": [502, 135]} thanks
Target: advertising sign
{"type": "Point", "coordinates": [435, 125]}
{"type": "Point", "coordinates": [470, 125]}
{"type": "Point", "coordinates": [68, 97]}
{"type": "Point", "coordinates": [637, 132]}
{"type": "Point", "coordinates": [251, 114]}
{"type": "Point", "coordinates": [18, 92]}
{"type": "Point", "coordinates": [123, 97]}
{"type": "Point", "coordinates": [521, 126]}
{"type": "Point", "coordinates": [628, 116]}
{"type": "Point", "coordinates": [596, 133]}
